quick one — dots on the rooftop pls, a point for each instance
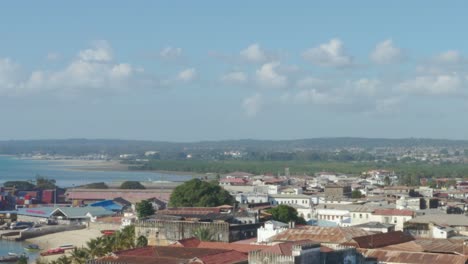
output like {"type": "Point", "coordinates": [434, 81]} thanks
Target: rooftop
{"type": "Point", "coordinates": [381, 240]}
{"type": "Point", "coordinates": [393, 212]}
{"type": "Point", "coordinates": [337, 235]}
{"type": "Point", "coordinates": [442, 220]}
{"type": "Point", "coordinates": [387, 256]}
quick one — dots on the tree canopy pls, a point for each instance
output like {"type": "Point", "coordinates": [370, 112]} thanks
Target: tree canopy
{"type": "Point", "coordinates": [132, 185]}
{"type": "Point", "coordinates": [197, 193]}
{"type": "Point", "coordinates": [20, 185]}
{"type": "Point", "coordinates": [286, 214]}
{"type": "Point", "coordinates": [96, 185]}
{"type": "Point", "coordinates": [45, 183]}
{"type": "Point", "coordinates": [144, 209]}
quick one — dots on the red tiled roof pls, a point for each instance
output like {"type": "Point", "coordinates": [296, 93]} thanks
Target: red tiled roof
{"type": "Point", "coordinates": [393, 212]}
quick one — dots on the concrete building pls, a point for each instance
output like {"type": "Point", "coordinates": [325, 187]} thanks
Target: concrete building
{"type": "Point", "coordinates": [270, 229]}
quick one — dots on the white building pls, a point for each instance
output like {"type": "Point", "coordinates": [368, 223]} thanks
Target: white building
{"type": "Point", "coordinates": [270, 229]}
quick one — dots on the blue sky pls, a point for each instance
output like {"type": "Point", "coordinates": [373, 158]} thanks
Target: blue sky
{"type": "Point", "coordinates": [209, 70]}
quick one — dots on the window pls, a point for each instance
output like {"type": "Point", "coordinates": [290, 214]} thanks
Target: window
{"type": "Point", "coordinates": [360, 215]}
{"type": "Point", "coordinates": [367, 216]}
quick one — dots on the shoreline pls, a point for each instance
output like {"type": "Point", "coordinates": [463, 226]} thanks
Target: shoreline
{"type": "Point", "coordinates": [105, 165]}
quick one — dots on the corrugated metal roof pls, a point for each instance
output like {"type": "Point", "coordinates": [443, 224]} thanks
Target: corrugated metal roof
{"type": "Point", "coordinates": [413, 257]}
{"type": "Point", "coordinates": [336, 235]}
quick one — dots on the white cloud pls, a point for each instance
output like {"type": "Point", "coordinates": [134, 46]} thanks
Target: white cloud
{"type": "Point", "coordinates": [170, 52]}
{"type": "Point", "coordinates": [234, 77]}
{"type": "Point", "coordinates": [101, 52]}
{"type": "Point", "coordinates": [331, 54]}
{"type": "Point", "coordinates": [269, 77]}
{"type": "Point", "coordinates": [367, 87]}
{"type": "Point", "coordinates": [254, 53]}
{"type": "Point", "coordinates": [442, 84]}
{"type": "Point", "coordinates": [315, 97]}
{"type": "Point", "coordinates": [187, 75]}
{"type": "Point", "coordinates": [91, 70]}
{"type": "Point", "coordinates": [386, 53]}
{"type": "Point", "coordinates": [309, 82]}
{"type": "Point", "coordinates": [252, 104]}
{"type": "Point", "coordinates": [53, 56]}
{"type": "Point", "coordinates": [388, 105]}
{"type": "Point", "coordinates": [449, 57]}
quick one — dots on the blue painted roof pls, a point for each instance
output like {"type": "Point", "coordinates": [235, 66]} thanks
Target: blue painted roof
{"type": "Point", "coordinates": [108, 205]}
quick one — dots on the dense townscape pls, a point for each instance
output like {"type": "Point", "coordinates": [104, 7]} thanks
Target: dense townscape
{"type": "Point", "coordinates": [241, 217]}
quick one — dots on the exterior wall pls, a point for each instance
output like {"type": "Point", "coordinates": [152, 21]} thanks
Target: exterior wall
{"type": "Point", "coordinates": [160, 232]}
{"type": "Point", "coordinates": [397, 220]}
{"type": "Point", "coordinates": [269, 230]}
{"type": "Point", "coordinates": [332, 215]}
{"type": "Point", "coordinates": [358, 218]}
{"type": "Point", "coordinates": [439, 233]}
{"type": "Point", "coordinates": [164, 232]}
{"type": "Point", "coordinates": [258, 257]}
{"type": "Point", "coordinates": [290, 200]}
{"type": "Point", "coordinates": [340, 191]}
{"type": "Point", "coordinates": [306, 213]}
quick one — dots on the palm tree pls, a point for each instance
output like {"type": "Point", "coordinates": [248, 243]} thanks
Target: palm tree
{"type": "Point", "coordinates": [96, 247]}
{"type": "Point", "coordinates": [79, 256]}
{"type": "Point", "coordinates": [203, 234]}
{"type": "Point", "coordinates": [142, 241]}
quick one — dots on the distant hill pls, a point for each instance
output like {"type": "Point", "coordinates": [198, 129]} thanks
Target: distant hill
{"type": "Point", "coordinates": [114, 147]}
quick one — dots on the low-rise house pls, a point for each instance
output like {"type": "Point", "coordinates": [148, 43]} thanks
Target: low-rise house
{"type": "Point", "coordinates": [376, 227]}
{"type": "Point", "coordinates": [437, 226]}
{"type": "Point", "coordinates": [387, 256]}
{"type": "Point", "coordinates": [333, 191]}
{"type": "Point", "coordinates": [287, 253]}
{"type": "Point", "coordinates": [62, 214]}
{"type": "Point", "coordinates": [393, 216]}
{"type": "Point", "coordinates": [332, 236]}
{"type": "Point", "coordinates": [161, 254]}
{"type": "Point", "coordinates": [270, 229]}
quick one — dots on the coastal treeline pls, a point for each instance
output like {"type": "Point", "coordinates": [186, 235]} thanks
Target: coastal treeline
{"type": "Point", "coordinates": [410, 173]}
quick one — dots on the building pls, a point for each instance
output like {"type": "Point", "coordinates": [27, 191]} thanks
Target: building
{"type": "Point", "coordinates": [270, 229]}
{"type": "Point", "coordinates": [393, 216]}
{"type": "Point", "coordinates": [437, 226]}
{"type": "Point", "coordinates": [337, 191]}
{"type": "Point", "coordinates": [62, 214]}
{"type": "Point", "coordinates": [376, 227]}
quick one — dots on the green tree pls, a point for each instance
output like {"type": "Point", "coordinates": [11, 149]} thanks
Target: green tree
{"type": "Point", "coordinates": [20, 185]}
{"type": "Point", "coordinates": [286, 214]}
{"type": "Point", "coordinates": [45, 183]}
{"type": "Point", "coordinates": [144, 209]}
{"type": "Point", "coordinates": [203, 234]}
{"type": "Point", "coordinates": [96, 185]}
{"type": "Point", "coordinates": [356, 194]}
{"type": "Point", "coordinates": [79, 256]}
{"type": "Point", "coordinates": [387, 180]}
{"type": "Point", "coordinates": [142, 241]}
{"type": "Point", "coordinates": [197, 193]}
{"type": "Point", "coordinates": [132, 185]}
{"type": "Point", "coordinates": [22, 260]}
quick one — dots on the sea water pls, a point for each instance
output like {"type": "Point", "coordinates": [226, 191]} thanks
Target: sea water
{"type": "Point", "coordinates": [14, 169]}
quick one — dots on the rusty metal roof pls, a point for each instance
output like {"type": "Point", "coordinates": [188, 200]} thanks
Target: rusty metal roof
{"type": "Point", "coordinates": [433, 245]}
{"type": "Point", "coordinates": [388, 256]}
{"type": "Point", "coordinates": [336, 235]}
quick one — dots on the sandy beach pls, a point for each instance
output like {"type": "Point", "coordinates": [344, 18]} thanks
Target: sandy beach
{"type": "Point", "coordinates": [77, 237]}
{"type": "Point", "coordinates": [92, 165]}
